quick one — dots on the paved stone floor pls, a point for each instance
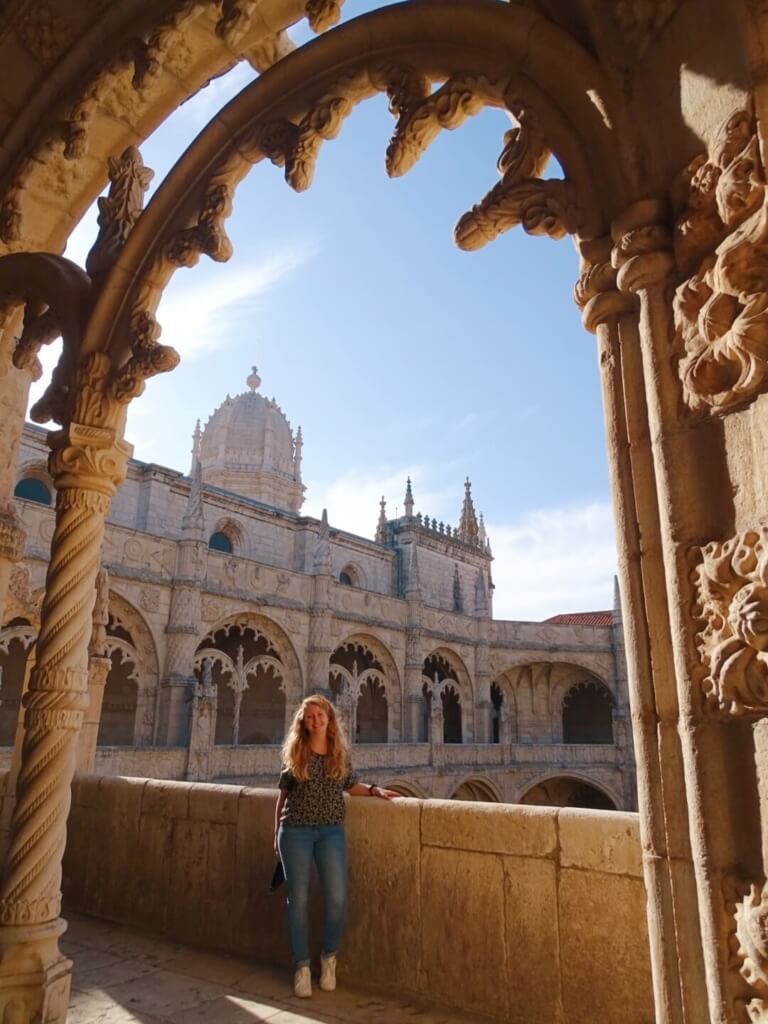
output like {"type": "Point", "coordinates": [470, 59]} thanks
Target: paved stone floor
{"type": "Point", "coordinates": [122, 976]}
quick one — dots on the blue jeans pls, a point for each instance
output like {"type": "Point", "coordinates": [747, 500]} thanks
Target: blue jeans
{"type": "Point", "coordinates": [298, 847]}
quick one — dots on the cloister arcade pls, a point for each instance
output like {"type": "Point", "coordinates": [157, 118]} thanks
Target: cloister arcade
{"type": "Point", "coordinates": [655, 114]}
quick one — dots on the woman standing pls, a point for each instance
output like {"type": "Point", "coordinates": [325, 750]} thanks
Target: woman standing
{"type": "Point", "coordinates": [309, 826]}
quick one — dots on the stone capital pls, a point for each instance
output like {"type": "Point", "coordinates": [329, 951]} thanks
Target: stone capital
{"type": "Point", "coordinates": [88, 458]}
{"type": "Point", "coordinates": [642, 250]}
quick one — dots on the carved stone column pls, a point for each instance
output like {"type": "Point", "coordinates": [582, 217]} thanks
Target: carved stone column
{"type": "Point", "coordinates": [436, 728]}
{"type": "Point", "coordinates": [98, 670]}
{"type": "Point", "coordinates": [661, 781]}
{"type": "Point", "coordinates": [87, 464]}
{"type": "Point", "coordinates": [12, 541]}
{"type": "Point", "coordinates": [202, 732]}
{"type": "Point", "coordinates": [505, 733]}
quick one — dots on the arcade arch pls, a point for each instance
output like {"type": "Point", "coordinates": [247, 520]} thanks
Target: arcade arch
{"type": "Point", "coordinates": [477, 789]}
{"type": "Point", "coordinates": [587, 713]}
{"type": "Point", "coordinates": [445, 679]}
{"type": "Point", "coordinates": [615, 201]}
{"type": "Point", "coordinates": [16, 640]}
{"type": "Point", "coordinates": [256, 673]}
{"type": "Point", "coordinates": [129, 706]}
{"type": "Point", "coordinates": [568, 791]}
{"type": "Point", "coordinates": [365, 684]}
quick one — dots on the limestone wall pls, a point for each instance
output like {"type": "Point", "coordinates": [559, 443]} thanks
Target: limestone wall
{"type": "Point", "coordinates": [521, 913]}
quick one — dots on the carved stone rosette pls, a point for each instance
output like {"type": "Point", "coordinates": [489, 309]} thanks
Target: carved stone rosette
{"type": "Point", "coordinates": [87, 463]}
{"type": "Point", "coordinates": [721, 310]}
{"type": "Point", "coordinates": [749, 942]}
{"type": "Point", "coordinates": [731, 583]}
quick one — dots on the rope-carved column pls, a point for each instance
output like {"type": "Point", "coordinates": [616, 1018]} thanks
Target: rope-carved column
{"type": "Point", "coordinates": [87, 463]}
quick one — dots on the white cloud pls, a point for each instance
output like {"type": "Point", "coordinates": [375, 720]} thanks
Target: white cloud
{"type": "Point", "coordinates": [199, 316]}
{"type": "Point", "coordinates": [560, 559]}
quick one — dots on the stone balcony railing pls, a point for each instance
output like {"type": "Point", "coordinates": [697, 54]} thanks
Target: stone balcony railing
{"type": "Point", "coordinates": [530, 915]}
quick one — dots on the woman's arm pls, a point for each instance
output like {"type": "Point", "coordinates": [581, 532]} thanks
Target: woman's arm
{"type": "Point", "coordinates": [278, 811]}
{"type": "Point", "coordinates": [363, 789]}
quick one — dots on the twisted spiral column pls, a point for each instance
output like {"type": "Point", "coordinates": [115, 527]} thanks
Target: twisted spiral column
{"type": "Point", "coordinates": [88, 464]}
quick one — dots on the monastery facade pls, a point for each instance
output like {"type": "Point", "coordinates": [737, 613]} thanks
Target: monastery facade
{"type": "Point", "coordinates": [220, 606]}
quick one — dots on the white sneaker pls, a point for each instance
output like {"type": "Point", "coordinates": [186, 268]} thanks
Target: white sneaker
{"type": "Point", "coordinates": [302, 983]}
{"type": "Point", "coordinates": [328, 973]}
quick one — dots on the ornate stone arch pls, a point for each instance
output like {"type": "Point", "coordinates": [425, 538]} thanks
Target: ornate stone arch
{"type": "Point", "coordinates": [17, 640]}
{"type": "Point", "coordinates": [445, 673]}
{"type": "Point", "coordinates": [597, 703]}
{"type": "Point", "coordinates": [355, 574]}
{"type": "Point", "coordinates": [478, 788]}
{"type": "Point", "coordinates": [234, 532]}
{"type": "Point", "coordinates": [131, 645]}
{"type": "Point", "coordinates": [379, 653]}
{"type": "Point", "coordinates": [580, 777]}
{"type": "Point", "coordinates": [238, 673]}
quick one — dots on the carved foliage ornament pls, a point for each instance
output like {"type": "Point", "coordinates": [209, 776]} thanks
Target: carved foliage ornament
{"type": "Point", "coordinates": [721, 310]}
{"type": "Point", "coordinates": [748, 941]}
{"type": "Point", "coordinates": [731, 583]}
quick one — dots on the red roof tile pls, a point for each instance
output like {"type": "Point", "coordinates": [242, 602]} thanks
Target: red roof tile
{"type": "Point", "coordinates": [582, 619]}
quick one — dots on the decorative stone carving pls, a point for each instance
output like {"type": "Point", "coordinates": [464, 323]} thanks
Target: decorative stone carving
{"type": "Point", "coordinates": [749, 940]}
{"type": "Point", "coordinates": [120, 210]}
{"type": "Point", "coordinates": [100, 616]}
{"type": "Point", "coordinates": [44, 33]}
{"type": "Point", "coordinates": [323, 14]}
{"type": "Point", "coordinates": [235, 20]}
{"type": "Point", "coordinates": [721, 311]}
{"type": "Point", "coordinates": [731, 584]}
{"type": "Point", "coordinates": [149, 599]}
{"type": "Point", "coordinates": [543, 207]}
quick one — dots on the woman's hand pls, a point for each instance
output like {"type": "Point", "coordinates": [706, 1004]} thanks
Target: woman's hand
{"type": "Point", "coordinates": [274, 846]}
{"type": "Point", "coordinates": [387, 794]}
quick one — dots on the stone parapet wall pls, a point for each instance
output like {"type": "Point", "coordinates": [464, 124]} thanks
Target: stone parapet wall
{"type": "Point", "coordinates": [150, 762]}
{"type": "Point", "coordinates": [519, 913]}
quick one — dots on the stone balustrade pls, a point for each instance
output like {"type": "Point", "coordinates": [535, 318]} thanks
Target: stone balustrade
{"type": "Point", "coordinates": [515, 912]}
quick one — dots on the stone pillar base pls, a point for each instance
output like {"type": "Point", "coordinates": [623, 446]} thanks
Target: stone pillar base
{"type": "Point", "coordinates": [35, 975]}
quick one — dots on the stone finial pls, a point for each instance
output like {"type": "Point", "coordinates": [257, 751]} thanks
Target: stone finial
{"type": "Point", "coordinates": [408, 503]}
{"type": "Point", "coordinates": [322, 560]}
{"type": "Point", "coordinates": [468, 528]}
{"type": "Point", "coordinates": [298, 445]}
{"type": "Point", "coordinates": [413, 583]}
{"type": "Point", "coordinates": [253, 380]}
{"type": "Point", "coordinates": [193, 520]}
{"type": "Point", "coordinates": [458, 601]}
{"type": "Point", "coordinates": [196, 436]}
{"type": "Point", "coordinates": [381, 526]}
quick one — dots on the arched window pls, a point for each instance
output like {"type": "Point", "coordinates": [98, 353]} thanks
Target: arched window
{"type": "Point", "coordinates": [350, 576]}
{"type": "Point", "coordinates": [220, 542]}
{"type": "Point", "coordinates": [346, 579]}
{"type": "Point", "coordinates": [588, 714]}
{"type": "Point", "coordinates": [32, 489]}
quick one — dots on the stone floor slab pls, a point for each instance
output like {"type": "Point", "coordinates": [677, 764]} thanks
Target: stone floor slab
{"type": "Point", "coordinates": [122, 976]}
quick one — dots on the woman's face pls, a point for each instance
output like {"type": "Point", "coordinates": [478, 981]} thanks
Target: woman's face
{"type": "Point", "coordinates": [315, 720]}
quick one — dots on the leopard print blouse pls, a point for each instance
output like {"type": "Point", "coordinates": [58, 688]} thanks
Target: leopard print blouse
{"type": "Point", "coordinates": [318, 801]}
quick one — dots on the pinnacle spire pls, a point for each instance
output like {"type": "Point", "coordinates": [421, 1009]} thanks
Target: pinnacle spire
{"type": "Point", "coordinates": [196, 438]}
{"type": "Point", "coordinates": [322, 560]}
{"type": "Point", "coordinates": [408, 503]}
{"type": "Point", "coordinates": [468, 528]}
{"type": "Point", "coordinates": [193, 519]}
{"type": "Point", "coordinates": [298, 446]}
{"type": "Point", "coordinates": [381, 526]}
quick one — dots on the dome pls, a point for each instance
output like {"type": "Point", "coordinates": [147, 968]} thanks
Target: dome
{"type": "Point", "coordinates": [248, 447]}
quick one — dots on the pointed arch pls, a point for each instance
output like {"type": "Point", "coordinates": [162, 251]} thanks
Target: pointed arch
{"type": "Point", "coordinates": [364, 666]}
{"type": "Point", "coordinates": [257, 676]}
{"type": "Point", "coordinates": [568, 789]}
{"type": "Point", "coordinates": [129, 707]}
{"type": "Point", "coordinates": [478, 789]}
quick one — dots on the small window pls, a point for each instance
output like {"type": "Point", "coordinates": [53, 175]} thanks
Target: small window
{"type": "Point", "coordinates": [32, 489]}
{"type": "Point", "coordinates": [346, 579]}
{"type": "Point", "coordinates": [220, 542]}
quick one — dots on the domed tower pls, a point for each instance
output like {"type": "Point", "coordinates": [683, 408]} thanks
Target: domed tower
{"type": "Point", "coordinates": [248, 447]}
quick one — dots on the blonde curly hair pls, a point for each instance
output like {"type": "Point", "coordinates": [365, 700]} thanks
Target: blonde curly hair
{"type": "Point", "coordinates": [296, 748]}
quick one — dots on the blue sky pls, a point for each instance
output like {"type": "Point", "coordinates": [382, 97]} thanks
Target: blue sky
{"type": "Point", "coordinates": [397, 353]}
